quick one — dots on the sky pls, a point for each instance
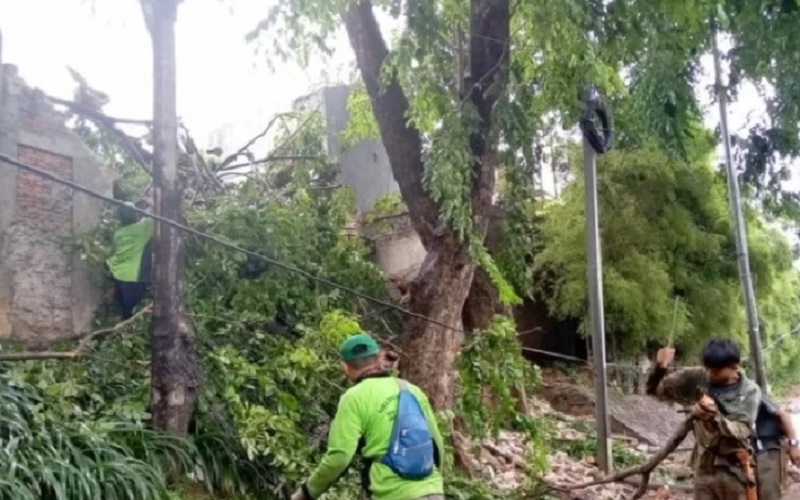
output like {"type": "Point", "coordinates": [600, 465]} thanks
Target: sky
{"type": "Point", "coordinates": [224, 81]}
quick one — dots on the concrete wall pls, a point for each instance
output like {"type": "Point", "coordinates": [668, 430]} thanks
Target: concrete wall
{"type": "Point", "coordinates": [46, 294]}
{"type": "Point", "coordinates": [365, 165]}
{"type": "Point", "coordinates": [398, 249]}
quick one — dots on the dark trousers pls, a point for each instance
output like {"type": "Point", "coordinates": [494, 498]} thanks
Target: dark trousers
{"type": "Point", "coordinates": [128, 295]}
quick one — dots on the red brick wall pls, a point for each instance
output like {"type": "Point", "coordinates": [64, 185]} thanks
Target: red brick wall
{"type": "Point", "coordinates": [42, 203]}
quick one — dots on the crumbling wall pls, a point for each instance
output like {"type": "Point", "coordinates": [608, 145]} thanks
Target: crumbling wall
{"type": "Point", "coordinates": [46, 293]}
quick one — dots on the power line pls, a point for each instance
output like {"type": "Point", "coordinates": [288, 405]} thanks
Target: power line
{"type": "Point", "coordinates": [288, 267]}
{"type": "Point", "coordinates": [222, 242]}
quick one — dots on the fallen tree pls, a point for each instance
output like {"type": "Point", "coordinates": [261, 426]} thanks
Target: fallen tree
{"type": "Point", "coordinates": [645, 470]}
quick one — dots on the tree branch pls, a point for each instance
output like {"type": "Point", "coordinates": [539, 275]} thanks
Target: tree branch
{"type": "Point", "coordinates": [390, 106]}
{"type": "Point", "coordinates": [95, 115]}
{"type": "Point", "coordinates": [242, 150]}
{"type": "Point", "coordinates": [490, 29]}
{"type": "Point", "coordinates": [86, 339]}
{"type": "Point", "coordinates": [80, 350]}
{"type": "Point", "coordinates": [109, 123]}
{"type": "Point", "coordinates": [42, 355]}
{"type": "Point", "coordinates": [645, 469]}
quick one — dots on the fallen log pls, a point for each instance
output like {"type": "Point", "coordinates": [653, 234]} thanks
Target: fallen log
{"type": "Point", "coordinates": [644, 470]}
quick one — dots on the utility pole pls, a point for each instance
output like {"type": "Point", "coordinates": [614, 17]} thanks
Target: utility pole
{"type": "Point", "coordinates": [174, 368]}
{"type": "Point", "coordinates": [745, 277]}
{"type": "Point", "coordinates": [594, 268]}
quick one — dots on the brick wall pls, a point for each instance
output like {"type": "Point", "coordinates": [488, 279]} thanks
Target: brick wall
{"type": "Point", "coordinates": [34, 251]}
{"type": "Point", "coordinates": [41, 203]}
{"type": "Point", "coordinates": [46, 292]}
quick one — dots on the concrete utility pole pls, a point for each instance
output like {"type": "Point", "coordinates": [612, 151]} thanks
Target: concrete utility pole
{"type": "Point", "coordinates": [594, 267]}
{"type": "Point", "coordinates": [738, 221]}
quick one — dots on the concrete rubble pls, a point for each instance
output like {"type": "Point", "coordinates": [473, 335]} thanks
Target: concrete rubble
{"type": "Point", "coordinates": [501, 462]}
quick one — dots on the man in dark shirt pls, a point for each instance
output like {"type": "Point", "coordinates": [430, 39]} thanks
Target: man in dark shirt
{"type": "Point", "coordinates": [725, 405]}
{"type": "Point", "coordinates": [776, 438]}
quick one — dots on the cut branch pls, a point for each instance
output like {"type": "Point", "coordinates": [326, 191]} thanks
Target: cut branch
{"type": "Point", "coordinates": [274, 155]}
{"type": "Point", "coordinates": [645, 469]}
{"type": "Point", "coordinates": [97, 334]}
{"type": "Point", "coordinates": [243, 150]}
{"type": "Point", "coordinates": [128, 143]}
{"type": "Point", "coordinates": [96, 115]}
{"type": "Point", "coordinates": [41, 355]}
{"type": "Point", "coordinates": [82, 347]}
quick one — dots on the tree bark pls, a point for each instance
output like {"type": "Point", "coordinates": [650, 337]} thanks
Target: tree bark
{"type": "Point", "coordinates": [483, 300]}
{"type": "Point", "coordinates": [174, 369]}
{"type": "Point", "coordinates": [443, 282]}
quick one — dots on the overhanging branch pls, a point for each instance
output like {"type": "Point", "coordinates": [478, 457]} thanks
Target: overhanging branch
{"type": "Point", "coordinates": [390, 106]}
{"type": "Point", "coordinates": [128, 143]}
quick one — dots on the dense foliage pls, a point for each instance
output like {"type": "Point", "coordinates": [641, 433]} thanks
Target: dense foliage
{"type": "Point", "coordinates": [267, 336]}
{"type": "Point", "coordinates": [669, 259]}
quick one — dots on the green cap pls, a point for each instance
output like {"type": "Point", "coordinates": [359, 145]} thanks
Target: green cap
{"type": "Point", "coordinates": [358, 346]}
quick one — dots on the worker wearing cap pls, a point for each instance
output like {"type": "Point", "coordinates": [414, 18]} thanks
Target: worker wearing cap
{"type": "Point", "coordinates": [364, 425]}
{"type": "Point", "coordinates": [130, 262]}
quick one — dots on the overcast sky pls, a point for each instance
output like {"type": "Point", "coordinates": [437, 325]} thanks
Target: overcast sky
{"type": "Point", "coordinates": [222, 79]}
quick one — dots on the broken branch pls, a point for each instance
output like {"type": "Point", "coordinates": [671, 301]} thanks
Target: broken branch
{"type": "Point", "coordinates": [85, 340]}
{"type": "Point", "coordinates": [128, 143]}
{"type": "Point", "coordinates": [645, 469]}
{"type": "Point", "coordinates": [82, 345]}
{"type": "Point", "coordinates": [95, 115]}
{"type": "Point", "coordinates": [42, 355]}
{"type": "Point", "coordinates": [228, 160]}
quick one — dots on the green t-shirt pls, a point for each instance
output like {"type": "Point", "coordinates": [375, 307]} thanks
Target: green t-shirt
{"type": "Point", "coordinates": [125, 262]}
{"type": "Point", "coordinates": [367, 411]}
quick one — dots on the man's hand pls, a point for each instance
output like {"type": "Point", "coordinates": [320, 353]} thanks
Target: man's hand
{"type": "Point", "coordinates": [664, 356]}
{"type": "Point", "coordinates": [705, 409]}
{"type": "Point", "coordinates": [299, 495]}
{"type": "Point", "coordinates": [794, 456]}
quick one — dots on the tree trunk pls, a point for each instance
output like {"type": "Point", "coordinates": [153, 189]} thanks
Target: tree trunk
{"type": "Point", "coordinates": [483, 300]}
{"type": "Point", "coordinates": [174, 369]}
{"type": "Point", "coordinates": [439, 290]}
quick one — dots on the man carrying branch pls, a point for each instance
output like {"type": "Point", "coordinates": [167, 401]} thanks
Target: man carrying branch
{"type": "Point", "coordinates": [724, 406]}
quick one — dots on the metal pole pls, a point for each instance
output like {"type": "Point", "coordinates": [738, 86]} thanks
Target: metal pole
{"type": "Point", "coordinates": [738, 221]}
{"type": "Point", "coordinates": [594, 267]}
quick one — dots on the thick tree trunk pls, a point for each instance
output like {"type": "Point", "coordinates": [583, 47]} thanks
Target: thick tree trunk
{"type": "Point", "coordinates": [483, 300]}
{"type": "Point", "coordinates": [174, 369]}
{"type": "Point", "coordinates": [437, 292]}
{"type": "Point", "coordinates": [441, 287]}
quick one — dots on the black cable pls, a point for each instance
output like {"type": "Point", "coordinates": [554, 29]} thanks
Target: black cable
{"type": "Point", "coordinates": [593, 106]}
{"type": "Point", "coordinates": [220, 241]}
{"type": "Point", "coordinates": [288, 267]}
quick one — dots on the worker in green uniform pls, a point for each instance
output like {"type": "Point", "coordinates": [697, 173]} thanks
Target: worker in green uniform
{"type": "Point", "coordinates": [130, 262]}
{"type": "Point", "coordinates": [390, 423]}
{"type": "Point", "coordinates": [725, 404]}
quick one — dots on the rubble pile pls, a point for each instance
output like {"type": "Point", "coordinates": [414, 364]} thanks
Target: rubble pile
{"type": "Point", "coordinates": [501, 462]}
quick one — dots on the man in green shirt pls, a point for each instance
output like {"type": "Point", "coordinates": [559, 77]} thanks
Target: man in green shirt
{"type": "Point", "coordinates": [131, 259]}
{"type": "Point", "coordinates": [365, 424]}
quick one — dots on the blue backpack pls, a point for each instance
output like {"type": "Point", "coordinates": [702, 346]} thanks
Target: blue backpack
{"type": "Point", "coordinates": [411, 450]}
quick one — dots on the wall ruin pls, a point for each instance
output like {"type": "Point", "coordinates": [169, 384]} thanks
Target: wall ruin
{"type": "Point", "coordinates": [46, 294]}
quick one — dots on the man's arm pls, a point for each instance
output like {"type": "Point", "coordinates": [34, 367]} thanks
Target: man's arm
{"type": "Point", "coordinates": [683, 386]}
{"type": "Point", "coordinates": [346, 430]}
{"type": "Point", "coordinates": [787, 426]}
